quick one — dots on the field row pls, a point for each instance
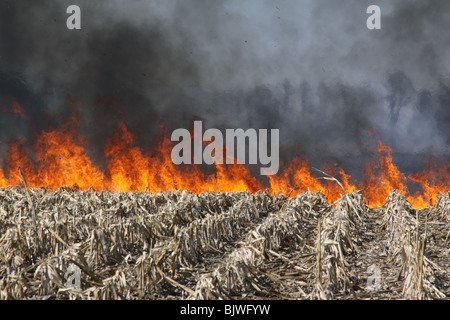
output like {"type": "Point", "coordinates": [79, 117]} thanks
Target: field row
{"type": "Point", "coordinates": [69, 244]}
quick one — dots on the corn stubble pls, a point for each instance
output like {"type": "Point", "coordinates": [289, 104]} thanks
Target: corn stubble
{"type": "Point", "coordinates": [181, 245]}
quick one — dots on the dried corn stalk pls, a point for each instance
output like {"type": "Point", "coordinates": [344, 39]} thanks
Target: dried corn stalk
{"type": "Point", "coordinates": [405, 242]}
{"type": "Point", "coordinates": [335, 241]}
{"type": "Point", "coordinates": [240, 270]}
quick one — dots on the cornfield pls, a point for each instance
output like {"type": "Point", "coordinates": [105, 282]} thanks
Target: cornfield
{"type": "Point", "coordinates": [72, 244]}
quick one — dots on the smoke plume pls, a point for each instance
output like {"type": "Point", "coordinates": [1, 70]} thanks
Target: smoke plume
{"type": "Point", "coordinates": [309, 68]}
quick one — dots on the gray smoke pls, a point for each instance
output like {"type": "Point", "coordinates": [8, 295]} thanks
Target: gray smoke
{"type": "Point", "coordinates": [309, 68]}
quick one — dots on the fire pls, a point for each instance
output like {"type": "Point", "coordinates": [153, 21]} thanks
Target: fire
{"type": "Point", "coordinates": [433, 179]}
{"type": "Point", "coordinates": [296, 178]}
{"type": "Point", "coordinates": [388, 177]}
{"type": "Point", "coordinates": [383, 176]}
{"type": "Point", "coordinates": [59, 157]}
{"type": "Point", "coordinates": [131, 169]}
{"type": "Point", "coordinates": [62, 159]}
{"type": "Point", "coordinates": [17, 109]}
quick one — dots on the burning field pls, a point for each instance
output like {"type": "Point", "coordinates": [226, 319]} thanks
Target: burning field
{"type": "Point", "coordinates": [124, 233]}
{"type": "Point", "coordinates": [94, 206]}
{"type": "Point", "coordinates": [59, 157]}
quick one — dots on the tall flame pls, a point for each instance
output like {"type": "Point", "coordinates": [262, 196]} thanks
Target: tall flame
{"type": "Point", "coordinates": [60, 158]}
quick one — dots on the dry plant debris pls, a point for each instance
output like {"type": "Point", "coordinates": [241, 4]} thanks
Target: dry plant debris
{"type": "Point", "coordinates": [71, 244]}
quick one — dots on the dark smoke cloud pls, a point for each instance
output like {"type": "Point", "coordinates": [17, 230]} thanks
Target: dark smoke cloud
{"type": "Point", "coordinates": [309, 68]}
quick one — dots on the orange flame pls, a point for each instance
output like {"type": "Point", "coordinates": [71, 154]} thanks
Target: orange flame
{"type": "Point", "coordinates": [383, 176]}
{"type": "Point", "coordinates": [17, 109]}
{"type": "Point", "coordinates": [433, 179]}
{"type": "Point", "coordinates": [60, 158]}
